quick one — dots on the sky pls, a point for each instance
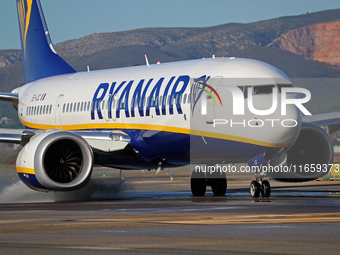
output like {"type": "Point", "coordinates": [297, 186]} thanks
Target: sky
{"type": "Point", "coordinates": [71, 19]}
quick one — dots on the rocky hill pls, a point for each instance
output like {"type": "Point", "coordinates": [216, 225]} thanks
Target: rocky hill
{"type": "Point", "coordinates": [301, 46]}
{"type": "Point", "coordinates": [320, 42]}
{"type": "Point", "coordinates": [9, 57]}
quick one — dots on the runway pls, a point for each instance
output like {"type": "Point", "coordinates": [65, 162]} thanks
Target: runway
{"type": "Point", "coordinates": [150, 214]}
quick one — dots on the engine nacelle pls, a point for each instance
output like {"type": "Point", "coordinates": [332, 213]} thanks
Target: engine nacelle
{"type": "Point", "coordinates": [310, 157]}
{"type": "Point", "coordinates": [55, 161]}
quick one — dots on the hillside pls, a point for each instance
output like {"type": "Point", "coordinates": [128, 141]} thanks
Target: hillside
{"type": "Point", "coordinates": [320, 42]}
{"type": "Point", "coordinates": [263, 40]}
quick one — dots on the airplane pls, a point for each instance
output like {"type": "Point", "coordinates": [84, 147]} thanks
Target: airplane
{"type": "Point", "coordinates": [211, 112]}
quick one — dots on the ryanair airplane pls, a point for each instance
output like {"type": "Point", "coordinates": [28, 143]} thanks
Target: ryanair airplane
{"type": "Point", "coordinates": [207, 113]}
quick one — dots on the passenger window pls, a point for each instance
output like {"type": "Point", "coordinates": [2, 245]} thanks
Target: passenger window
{"type": "Point", "coordinates": [75, 106]}
{"type": "Point", "coordinates": [78, 106]}
{"type": "Point", "coordinates": [71, 107]}
{"type": "Point", "coordinates": [50, 109]}
{"type": "Point", "coordinates": [67, 107]}
{"type": "Point", "coordinates": [64, 106]}
{"type": "Point", "coordinates": [81, 106]}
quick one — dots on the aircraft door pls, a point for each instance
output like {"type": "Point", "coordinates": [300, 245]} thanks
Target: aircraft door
{"type": "Point", "coordinates": [58, 111]}
{"type": "Point", "coordinates": [211, 99]}
{"type": "Point", "coordinates": [110, 108]}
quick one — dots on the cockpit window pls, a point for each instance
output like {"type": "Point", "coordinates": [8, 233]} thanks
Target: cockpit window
{"type": "Point", "coordinates": [263, 89]}
{"type": "Point", "coordinates": [284, 86]}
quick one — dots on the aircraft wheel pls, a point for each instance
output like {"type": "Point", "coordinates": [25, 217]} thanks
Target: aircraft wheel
{"type": "Point", "coordinates": [198, 184]}
{"type": "Point", "coordinates": [265, 189]}
{"type": "Point", "coordinates": [218, 183]}
{"type": "Point", "coordinates": [219, 186]}
{"type": "Point", "coordinates": [254, 189]}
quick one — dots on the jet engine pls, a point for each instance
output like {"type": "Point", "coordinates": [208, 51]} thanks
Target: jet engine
{"type": "Point", "coordinates": [55, 160]}
{"type": "Point", "coordinates": [310, 157]}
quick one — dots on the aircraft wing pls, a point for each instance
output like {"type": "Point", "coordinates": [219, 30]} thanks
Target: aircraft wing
{"type": "Point", "coordinates": [107, 141]}
{"type": "Point", "coordinates": [331, 121]}
{"type": "Point", "coordinates": [20, 136]}
{"type": "Point", "coordinates": [104, 141]}
{"type": "Point", "coordinates": [9, 97]}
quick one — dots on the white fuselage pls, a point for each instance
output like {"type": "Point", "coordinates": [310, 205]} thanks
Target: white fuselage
{"type": "Point", "coordinates": [160, 98]}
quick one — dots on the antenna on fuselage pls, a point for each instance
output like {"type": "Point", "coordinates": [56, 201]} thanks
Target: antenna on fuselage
{"type": "Point", "coordinates": [147, 61]}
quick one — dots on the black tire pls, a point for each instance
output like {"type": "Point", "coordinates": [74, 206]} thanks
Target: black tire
{"type": "Point", "coordinates": [219, 186]}
{"type": "Point", "coordinates": [198, 184]}
{"type": "Point", "coordinates": [265, 189]}
{"type": "Point", "coordinates": [254, 189]}
{"type": "Point", "coordinates": [218, 183]}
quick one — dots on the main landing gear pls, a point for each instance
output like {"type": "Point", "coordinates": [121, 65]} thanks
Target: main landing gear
{"type": "Point", "coordinates": [216, 180]}
{"type": "Point", "coordinates": [259, 186]}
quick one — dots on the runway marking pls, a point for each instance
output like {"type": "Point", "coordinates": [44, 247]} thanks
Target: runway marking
{"type": "Point", "coordinates": [235, 219]}
{"type": "Point", "coordinates": [204, 220]}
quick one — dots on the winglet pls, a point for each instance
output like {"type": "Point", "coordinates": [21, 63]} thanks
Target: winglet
{"type": "Point", "coordinates": [39, 57]}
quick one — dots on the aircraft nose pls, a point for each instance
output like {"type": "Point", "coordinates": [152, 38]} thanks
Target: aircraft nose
{"type": "Point", "coordinates": [280, 127]}
{"type": "Point", "coordinates": [290, 124]}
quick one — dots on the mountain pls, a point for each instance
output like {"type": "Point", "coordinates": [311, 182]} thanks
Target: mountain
{"type": "Point", "coordinates": [320, 42]}
{"type": "Point", "coordinates": [287, 43]}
